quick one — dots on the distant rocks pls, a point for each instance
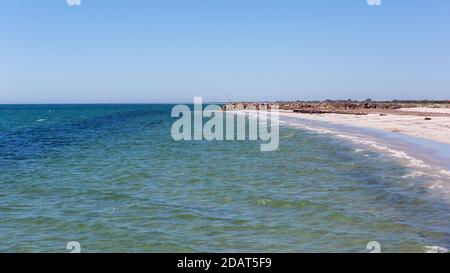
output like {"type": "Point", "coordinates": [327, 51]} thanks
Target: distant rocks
{"type": "Point", "coordinates": [339, 106]}
{"type": "Point", "coordinates": [315, 107]}
{"type": "Point", "coordinates": [335, 106]}
{"type": "Point", "coordinates": [248, 106]}
{"type": "Point", "coordinates": [315, 111]}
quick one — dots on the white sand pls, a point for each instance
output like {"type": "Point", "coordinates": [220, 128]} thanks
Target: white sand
{"type": "Point", "coordinates": [437, 129]}
{"type": "Point", "coordinates": [427, 110]}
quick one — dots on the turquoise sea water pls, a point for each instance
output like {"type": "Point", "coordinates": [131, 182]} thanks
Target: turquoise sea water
{"type": "Point", "coordinates": [112, 178]}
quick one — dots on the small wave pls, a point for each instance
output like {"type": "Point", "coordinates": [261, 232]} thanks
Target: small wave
{"type": "Point", "coordinates": [289, 135]}
{"type": "Point", "coordinates": [41, 120]}
{"type": "Point", "coordinates": [434, 186]}
{"type": "Point", "coordinates": [367, 142]}
{"type": "Point", "coordinates": [414, 174]}
{"type": "Point", "coordinates": [362, 151]}
{"type": "Point", "coordinates": [435, 249]}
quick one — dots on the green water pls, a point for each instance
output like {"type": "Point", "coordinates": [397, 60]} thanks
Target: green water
{"type": "Point", "coordinates": [112, 178]}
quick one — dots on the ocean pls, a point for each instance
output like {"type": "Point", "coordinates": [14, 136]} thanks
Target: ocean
{"type": "Point", "coordinates": [112, 178]}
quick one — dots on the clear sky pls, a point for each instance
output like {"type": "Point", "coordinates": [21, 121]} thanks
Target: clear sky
{"type": "Point", "coordinates": [172, 50]}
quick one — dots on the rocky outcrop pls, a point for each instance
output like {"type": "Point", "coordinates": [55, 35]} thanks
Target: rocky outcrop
{"type": "Point", "coordinates": [315, 111]}
{"type": "Point", "coordinates": [248, 106]}
{"type": "Point", "coordinates": [339, 107]}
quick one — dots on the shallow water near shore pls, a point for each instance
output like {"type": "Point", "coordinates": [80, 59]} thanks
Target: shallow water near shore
{"type": "Point", "coordinates": [418, 151]}
{"type": "Point", "coordinates": [112, 178]}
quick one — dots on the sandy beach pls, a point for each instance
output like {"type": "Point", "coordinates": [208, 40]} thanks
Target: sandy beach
{"type": "Point", "coordinates": [435, 125]}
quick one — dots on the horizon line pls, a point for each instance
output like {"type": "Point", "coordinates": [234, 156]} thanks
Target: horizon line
{"type": "Point", "coordinates": [220, 102]}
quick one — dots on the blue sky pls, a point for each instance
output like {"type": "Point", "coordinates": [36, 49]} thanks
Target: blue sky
{"type": "Point", "coordinates": [172, 50]}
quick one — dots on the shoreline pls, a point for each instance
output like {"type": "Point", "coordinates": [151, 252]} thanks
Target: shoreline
{"type": "Point", "coordinates": [425, 156]}
{"type": "Point", "coordinates": [427, 150]}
